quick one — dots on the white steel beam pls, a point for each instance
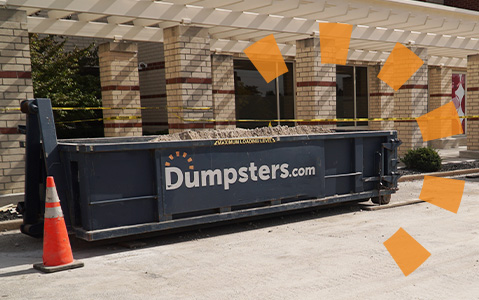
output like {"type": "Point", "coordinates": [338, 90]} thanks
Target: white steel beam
{"type": "Point", "coordinates": [164, 11]}
{"type": "Point", "coordinates": [59, 14]}
{"type": "Point", "coordinates": [93, 30]}
{"type": "Point", "coordinates": [85, 17]}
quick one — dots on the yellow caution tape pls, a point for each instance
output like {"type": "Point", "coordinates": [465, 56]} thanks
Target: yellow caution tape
{"type": "Point", "coordinates": [173, 108]}
{"type": "Point", "coordinates": [141, 108]}
{"type": "Point", "coordinates": [317, 120]}
{"type": "Point", "coordinates": [111, 108]}
{"type": "Point", "coordinates": [102, 119]}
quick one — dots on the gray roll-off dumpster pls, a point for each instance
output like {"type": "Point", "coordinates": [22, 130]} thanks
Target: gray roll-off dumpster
{"type": "Point", "coordinates": [113, 187]}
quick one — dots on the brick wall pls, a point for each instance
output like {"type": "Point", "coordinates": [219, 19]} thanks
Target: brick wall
{"type": "Point", "coordinates": [315, 84]}
{"type": "Point", "coordinates": [15, 86]}
{"type": "Point", "coordinates": [188, 77]}
{"type": "Point", "coordinates": [411, 101]}
{"type": "Point", "coordinates": [151, 60]}
{"type": "Point", "coordinates": [473, 102]}
{"type": "Point", "coordinates": [120, 88]}
{"type": "Point", "coordinates": [222, 71]}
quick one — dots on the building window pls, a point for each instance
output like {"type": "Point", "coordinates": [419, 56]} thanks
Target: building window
{"type": "Point", "coordinates": [256, 100]}
{"type": "Point", "coordinates": [351, 94]}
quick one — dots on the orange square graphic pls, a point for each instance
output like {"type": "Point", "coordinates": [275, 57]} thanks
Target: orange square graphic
{"type": "Point", "coordinates": [401, 64]}
{"type": "Point", "coordinates": [267, 58]}
{"type": "Point", "coordinates": [443, 192]}
{"type": "Point", "coordinates": [334, 41]}
{"type": "Point", "coordinates": [440, 123]}
{"type": "Point", "coordinates": [406, 251]}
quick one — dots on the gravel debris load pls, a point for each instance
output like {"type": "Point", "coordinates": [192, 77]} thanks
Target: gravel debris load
{"type": "Point", "coordinates": [240, 133]}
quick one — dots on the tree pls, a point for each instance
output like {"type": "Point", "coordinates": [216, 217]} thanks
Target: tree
{"type": "Point", "coordinates": [69, 79]}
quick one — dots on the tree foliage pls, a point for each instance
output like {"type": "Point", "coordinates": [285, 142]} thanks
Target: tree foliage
{"type": "Point", "coordinates": [69, 79]}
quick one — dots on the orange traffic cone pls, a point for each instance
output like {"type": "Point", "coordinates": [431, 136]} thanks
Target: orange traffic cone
{"type": "Point", "coordinates": [57, 252]}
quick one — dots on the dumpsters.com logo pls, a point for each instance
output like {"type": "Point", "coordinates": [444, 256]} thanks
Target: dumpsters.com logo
{"type": "Point", "coordinates": [175, 177]}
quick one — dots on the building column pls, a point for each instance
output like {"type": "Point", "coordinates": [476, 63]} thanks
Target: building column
{"type": "Point", "coordinates": [188, 78]}
{"type": "Point", "coordinates": [151, 68]}
{"type": "Point", "coordinates": [440, 87]}
{"type": "Point", "coordinates": [15, 86]}
{"type": "Point", "coordinates": [472, 107]}
{"type": "Point", "coordinates": [120, 88]}
{"type": "Point", "coordinates": [315, 84]}
{"type": "Point", "coordinates": [410, 101]}
{"type": "Point", "coordinates": [381, 100]}
{"type": "Point", "coordinates": [222, 71]}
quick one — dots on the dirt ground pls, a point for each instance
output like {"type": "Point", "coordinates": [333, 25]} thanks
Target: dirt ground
{"type": "Point", "coordinates": [333, 253]}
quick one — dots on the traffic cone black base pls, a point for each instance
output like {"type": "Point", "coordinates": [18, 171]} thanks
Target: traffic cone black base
{"type": "Point", "coordinates": [73, 265]}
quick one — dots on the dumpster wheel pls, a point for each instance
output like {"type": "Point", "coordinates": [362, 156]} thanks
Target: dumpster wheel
{"type": "Point", "coordinates": [383, 199]}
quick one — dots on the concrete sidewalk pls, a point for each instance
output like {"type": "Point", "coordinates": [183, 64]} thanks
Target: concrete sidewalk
{"type": "Point", "coordinates": [334, 253]}
{"type": "Point", "coordinates": [450, 156]}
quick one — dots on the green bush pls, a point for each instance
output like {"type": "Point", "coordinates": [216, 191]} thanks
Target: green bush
{"type": "Point", "coordinates": [424, 159]}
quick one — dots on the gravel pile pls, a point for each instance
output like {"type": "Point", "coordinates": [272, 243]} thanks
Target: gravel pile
{"type": "Point", "coordinates": [9, 212]}
{"type": "Point", "coordinates": [240, 133]}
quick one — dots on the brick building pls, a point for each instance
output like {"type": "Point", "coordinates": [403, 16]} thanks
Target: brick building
{"type": "Point", "coordinates": [185, 61]}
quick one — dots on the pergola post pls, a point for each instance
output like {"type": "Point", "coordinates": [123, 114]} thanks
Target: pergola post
{"type": "Point", "coordinates": [381, 100]}
{"type": "Point", "coordinates": [411, 101]}
{"type": "Point", "coordinates": [472, 107]}
{"type": "Point", "coordinates": [315, 84]}
{"type": "Point", "coordinates": [188, 78]}
{"type": "Point", "coordinates": [120, 88]}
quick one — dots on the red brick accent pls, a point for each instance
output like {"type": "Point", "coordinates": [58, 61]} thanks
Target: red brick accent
{"type": "Point", "coordinates": [381, 94]}
{"type": "Point", "coordinates": [308, 123]}
{"type": "Point", "coordinates": [153, 66]}
{"type": "Point", "coordinates": [405, 121]}
{"type": "Point", "coordinates": [155, 123]}
{"type": "Point", "coordinates": [188, 80]}
{"type": "Point", "coordinates": [441, 95]}
{"type": "Point", "coordinates": [315, 83]}
{"type": "Point", "coordinates": [153, 96]}
{"type": "Point", "coordinates": [473, 89]}
{"type": "Point", "coordinates": [15, 74]}
{"type": "Point", "coordinates": [120, 88]}
{"type": "Point", "coordinates": [8, 131]}
{"type": "Point", "coordinates": [122, 125]}
{"type": "Point", "coordinates": [223, 91]}
{"type": "Point", "coordinates": [191, 125]}
{"type": "Point", "coordinates": [225, 123]}
{"type": "Point", "coordinates": [414, 87]}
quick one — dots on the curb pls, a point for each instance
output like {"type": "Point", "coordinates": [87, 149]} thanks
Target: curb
{"type": "Point", "coordinates": [10, 225]}
{"type": "Point", "coordinates": [370, 207]}
{"type": "Point", "coordinates": [438, 174]}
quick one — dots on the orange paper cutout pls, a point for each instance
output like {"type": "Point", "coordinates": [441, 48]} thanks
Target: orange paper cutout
{"type": "Point", "coordinates": [334, 41]}
{"type": "Point", "coordinates": [401, 64]}
{"type": "Point", "coordinates": [443, 192]}
{"type": "Point", "coordinates": [267, 58]}
{"type": "Point", "coordinates": [406, 251]}
{"type": "Point", "coordinates": [440, 123]}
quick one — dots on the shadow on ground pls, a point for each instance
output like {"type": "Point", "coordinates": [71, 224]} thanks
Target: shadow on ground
{"type": "Point", "coordinates": [18, 249]}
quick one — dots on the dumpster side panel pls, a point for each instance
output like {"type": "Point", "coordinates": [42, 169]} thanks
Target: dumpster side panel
{"type": "Point", "coordinates": [119, 190]}
{"type": "Point", "coordinates": [202, 178]}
